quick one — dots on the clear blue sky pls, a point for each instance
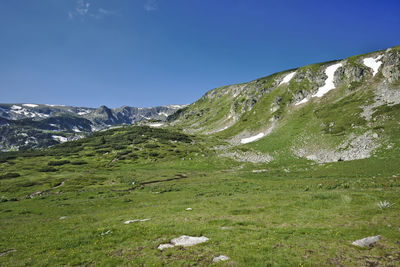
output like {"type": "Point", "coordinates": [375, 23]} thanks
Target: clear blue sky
{"type": "Point", "coordinates": [158, 52]}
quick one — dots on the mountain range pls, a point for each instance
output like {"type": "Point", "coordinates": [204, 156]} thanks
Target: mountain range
{"type": "Point", "coordinates": [27, 126]}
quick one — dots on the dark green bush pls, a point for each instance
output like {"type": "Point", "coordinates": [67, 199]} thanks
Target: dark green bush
{"type": "Point", "coordinates": [47, 169]}
{"type": "Point", "coordinates": [153, 154]}
{"type": "Point", "coordinates": [58, 162]}
{"type": "Point", "coordinates": [78, 162]}
{"type": "Point", "coordinates": [151, 146]}
{"type": "Point", "coordinates": [123, 153]}
{"type": "Point", "coordinates": [9, 175]}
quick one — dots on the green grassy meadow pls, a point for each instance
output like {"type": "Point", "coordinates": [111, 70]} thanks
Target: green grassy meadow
{"type": "Point", "coordinates": [69, 204]}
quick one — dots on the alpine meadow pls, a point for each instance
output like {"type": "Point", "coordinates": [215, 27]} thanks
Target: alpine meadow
{"type": "Point", "coordinates": [285, 170]}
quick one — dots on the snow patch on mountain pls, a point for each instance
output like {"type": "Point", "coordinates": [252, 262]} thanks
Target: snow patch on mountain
{"type": "Point", "coordinates": [177, 106]}
{"type": "Point", "coordinates": [305, 100]}
{"type": "Point", "coordinates": [156, 124]}
{"type": "Point", "coordinates": [373, 63]}
{"type": "Point", "coordinates": [76, 129]}
{"type": "Point", "coordinates": [59, 138]}
{"type": "Point", "coordinates": [15, 107]}
{"type": "Point", "coordinates": [85, 112]}
{"type": "Point", "coordinates": [30, 105]}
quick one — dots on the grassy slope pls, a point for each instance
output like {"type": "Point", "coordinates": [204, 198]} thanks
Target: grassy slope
{"type": "Point", "coordinates": [306, 216]}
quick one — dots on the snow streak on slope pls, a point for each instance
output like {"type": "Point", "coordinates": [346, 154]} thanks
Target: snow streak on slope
{"type": "Point", "coordinates": [305, 100]}
{"type": "Point", "coordinates": [329, 85]}
{"type": "Point", "coordinates": [287, 78]}
{"type": "Point", "coordinates": [252, 138]}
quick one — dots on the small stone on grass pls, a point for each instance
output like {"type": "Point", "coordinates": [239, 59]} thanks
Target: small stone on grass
{"type": "Point", "coordinates": [136, 220]}
{"type": "Point", "coordinates": [365, 242]}
{"type": "Point", "coordinates": [220, 258]}
{"type": "Point", "coordinates": [163, 246]}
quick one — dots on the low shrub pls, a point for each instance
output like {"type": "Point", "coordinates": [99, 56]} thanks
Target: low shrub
{"type": "Point", "coordinates": [58, 162]}
{"type": "Point", "coordinates": [78, 162]}
{"type": "Point", "coordinates": [10, 175]}
{"type": "Point", "coordinates": [48, 169]}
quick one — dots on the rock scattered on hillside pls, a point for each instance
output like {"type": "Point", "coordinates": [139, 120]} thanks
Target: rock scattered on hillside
{"type": "Point", "coordinates": [248, 156]}
{"type": "Point", "coordinates": [6, 252]}
{"type": "Point", "coordinates": [355, 147]}
{"type": "Point", "coordinates": [383, 96]}
{"type": "Point", "coordinates": [164, 246]}
{"type": "Point", "coordinates": [136, 220]}
{"type": "Point", "coordinates": [365, 242]}
{"type": "Point", "coordinates": [184, 241]}
{"type": "Point", "coordinates": [259, 171]}
{"type": "Point", "coordinates": [220, 258]}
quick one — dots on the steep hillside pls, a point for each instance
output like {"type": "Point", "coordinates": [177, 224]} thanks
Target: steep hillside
{"type": "Point", "coordinates": [339, 110]}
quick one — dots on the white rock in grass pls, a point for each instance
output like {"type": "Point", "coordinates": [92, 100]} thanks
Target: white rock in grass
{"type": "Point", "coordinates": [220, 258]}
{"type": "Point", "coordinates": [189, 209]}
{"type": "Point", "coordinates": [187, 241]}
{"type": "Point", "coordinates": [106, 233]}
{"type": "Point", "coordinates": [163, 246]}
{"type": "Point", "coordinates": [365, 242]}
{"type": "Point", "coordinates": [136, 220]}
{"type": "Point", "coordinates": [184, 241]}
{"type": "Point", "coordinates": [63, 217]}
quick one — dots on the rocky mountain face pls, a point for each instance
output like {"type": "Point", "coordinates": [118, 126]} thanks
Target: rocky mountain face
{"type": "Point", "coordinates": [339, 110]}
{"type": "Point", "coordinates": [26, 126]}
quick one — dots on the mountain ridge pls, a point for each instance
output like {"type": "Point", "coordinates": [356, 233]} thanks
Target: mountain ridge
{"type": "Point", "coordinates": [355, 87]}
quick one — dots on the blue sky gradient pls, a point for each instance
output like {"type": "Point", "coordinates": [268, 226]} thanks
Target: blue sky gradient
{"type": "Point", "coordinates": [159, 52]}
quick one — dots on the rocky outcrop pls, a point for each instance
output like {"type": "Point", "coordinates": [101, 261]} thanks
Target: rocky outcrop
{"type": "Point", "coordinates": [391, 67]}
{"type": "Point", "coordinates": [351, 72]}
{"type": "Point", "coordinates": [355, 147]}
